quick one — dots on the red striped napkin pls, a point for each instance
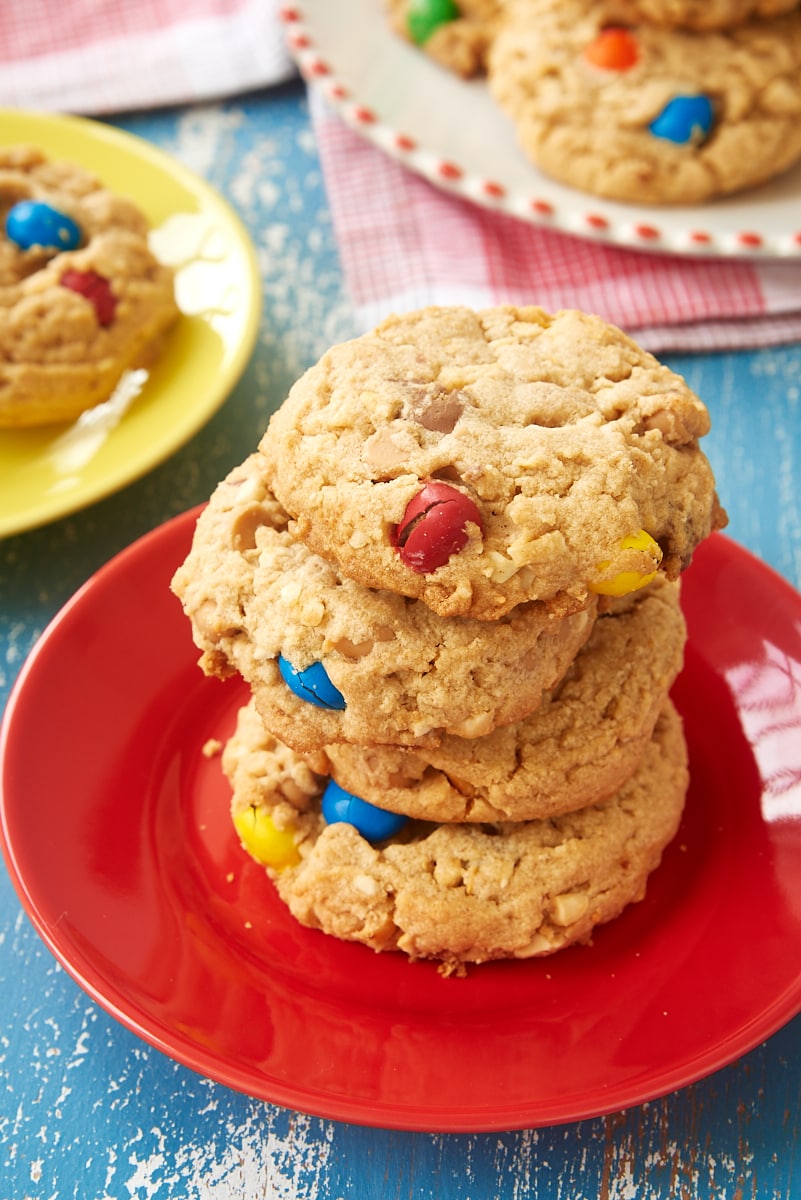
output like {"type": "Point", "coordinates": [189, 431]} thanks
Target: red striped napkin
{"type": "Point", "coordinates": [405, 243]}
{"type": "Point", "coordinates": [100, 56]}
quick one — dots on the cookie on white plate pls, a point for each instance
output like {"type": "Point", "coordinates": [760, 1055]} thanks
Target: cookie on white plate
{"type": "Point", "coordinates": [611, 103]}
{"type": "Point", "coordinates": [454, 33]}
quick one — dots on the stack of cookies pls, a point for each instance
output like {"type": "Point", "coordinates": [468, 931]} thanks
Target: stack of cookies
{"type": "Point", "coordinates": [449, 575]}
{"type": "Point", "coordinates": [646, 101]}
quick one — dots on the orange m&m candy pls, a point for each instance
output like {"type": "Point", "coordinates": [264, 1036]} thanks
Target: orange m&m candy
{"type": "Point", "coordinates": [614, 49]}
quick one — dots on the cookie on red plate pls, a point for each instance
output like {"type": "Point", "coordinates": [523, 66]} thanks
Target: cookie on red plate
{"type": "Point", "coordinates": [480, 460]}
{"type": "Point", "coordinates": [454, 893]}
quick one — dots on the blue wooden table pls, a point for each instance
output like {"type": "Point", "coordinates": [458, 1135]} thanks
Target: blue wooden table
{"type": "Point", "coordinates": [89, 1111]}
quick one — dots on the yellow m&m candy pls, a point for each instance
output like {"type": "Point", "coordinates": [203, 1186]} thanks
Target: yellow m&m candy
{"type": "Point", "coordinates": [264, 840]}
{"type": "Point", "coordinates": [628, 581]}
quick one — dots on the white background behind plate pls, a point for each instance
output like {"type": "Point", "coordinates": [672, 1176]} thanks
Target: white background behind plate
{"type": "Point", "coordinates": [346, 48]}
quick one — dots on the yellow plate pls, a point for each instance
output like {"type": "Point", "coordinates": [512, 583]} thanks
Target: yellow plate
{"type": "Point", "coordinates": [48, 472]}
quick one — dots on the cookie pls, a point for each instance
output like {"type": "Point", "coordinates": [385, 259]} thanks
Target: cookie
{"type": "Point", "coordinates": [583, 742]}
{"type": "Point", "coordinates": [82, 298]}
{"type": "Point", "coordinates": [261, 603]}
{"type": "Point", "coordinates": [625, 109]}
{"type": "Point", "coordinates": [709, 14]}
{"type": "Point", "coordinates": [480, 460]}
{"type": "Point", "coordinates": [455, 33]}
{"type": "Point", "coordinates": [456, 893]}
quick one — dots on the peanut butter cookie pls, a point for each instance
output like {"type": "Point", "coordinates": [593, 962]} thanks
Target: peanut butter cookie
{"type": "Point", "coordinates": [455, 893]}
{"type": "Point", "coordinates": [82, 298]}
{"type": "Point", "coordinates": [582, 743]}
{"type": "Point", "coordinates": [455, 33]}
{"type": "Point", "coordinates": [480, 460]}
{"type": "Point", "coordinates": [623, 108]}
{"type": "Point", "coordinates": [710, 14]}
{"type": "Point", "coordinates": [330, 660]}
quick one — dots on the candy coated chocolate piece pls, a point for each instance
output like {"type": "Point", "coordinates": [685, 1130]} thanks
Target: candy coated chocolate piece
{"type": "Point", "coordinates": [434, 527]}
{"type": "Point", "coordinates": [629, 581]}
{"type": "Point", "coordinates": [312, 684]}
{"type": "Point", "coordinates": [372, 823]}
{"type": "Point", "coordinates": [264, 840]}
{"type": "Point", "coordinates": [424, 17]}
{"type": "Point", "coordinates": [614, 49]}
{"type": "Point", "coordinates": [33, 223]}
{"type": "Point", "coordinates": [684, 120]}
{"type": "Point", "coordinates": [96, 289]}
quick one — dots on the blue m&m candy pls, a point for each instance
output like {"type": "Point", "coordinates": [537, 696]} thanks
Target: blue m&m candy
{"type": "Point", "coordinates": [312, 684]}
{"type": "Point", "coordinates": [685, 120]}
{"type": "Point", "coordinates": [33, 223]}
{"type": "Point", "coordinates": [372, 823]}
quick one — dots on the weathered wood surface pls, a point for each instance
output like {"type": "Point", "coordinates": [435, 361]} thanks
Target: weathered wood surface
{"type": "Point", "coordinates": [87, 1111]}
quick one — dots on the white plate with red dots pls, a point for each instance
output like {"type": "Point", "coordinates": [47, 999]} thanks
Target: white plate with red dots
{"type": "Point", "coordinates": [453, 133]}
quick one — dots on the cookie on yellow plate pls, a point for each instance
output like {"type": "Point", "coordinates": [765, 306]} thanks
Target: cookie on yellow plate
{"type": "Point", "coordinates": [82, 297]}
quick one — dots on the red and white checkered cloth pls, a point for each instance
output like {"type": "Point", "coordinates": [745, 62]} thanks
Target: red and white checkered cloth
{"type": "Point", "coordinates": [405, 243]}
{"type": "Point", "coordinates": [102, 56]}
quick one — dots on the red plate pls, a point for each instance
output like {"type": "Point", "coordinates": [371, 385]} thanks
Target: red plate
{"type": "Point", "coordinates": [117, 837]}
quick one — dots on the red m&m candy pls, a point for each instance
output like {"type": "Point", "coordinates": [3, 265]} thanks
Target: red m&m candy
{"type": "Point", "coordinates": [434, 526]}
{"type": "Point", "coordinates": [96, 289]}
